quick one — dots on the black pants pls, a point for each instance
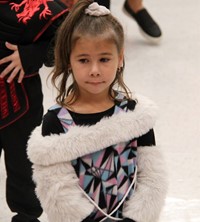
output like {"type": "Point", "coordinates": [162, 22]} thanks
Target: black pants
{"type": "Point", "coordinates": [20, 189]}
{"type": "Point", "coordinates": [106, 3]}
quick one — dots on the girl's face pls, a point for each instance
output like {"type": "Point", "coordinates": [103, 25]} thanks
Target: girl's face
{"type": "Point", "coordinates": [94, 63]}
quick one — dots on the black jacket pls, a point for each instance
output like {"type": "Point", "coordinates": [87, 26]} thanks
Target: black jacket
{"type": "Point", "coordinates": [33, 39]}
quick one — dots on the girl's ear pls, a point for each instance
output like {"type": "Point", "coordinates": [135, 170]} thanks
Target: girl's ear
{"type": "Point", "coordinates": [121, 58]}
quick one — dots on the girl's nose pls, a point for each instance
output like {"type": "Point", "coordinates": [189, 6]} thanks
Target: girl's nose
{"type": "Point", "coordinates": [95, 71]}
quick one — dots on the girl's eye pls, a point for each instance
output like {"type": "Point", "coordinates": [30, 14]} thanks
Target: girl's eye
{"type": "Point", "coordinates": [83, 60]}
{"type": "Point", "coordinates": [104, 59]}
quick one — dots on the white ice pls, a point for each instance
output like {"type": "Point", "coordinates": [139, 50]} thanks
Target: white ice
{"type": "Point", "coordinates": [169, 74]}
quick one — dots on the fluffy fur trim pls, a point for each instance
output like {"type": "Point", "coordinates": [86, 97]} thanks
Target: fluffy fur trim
{"type": "Point", "coordinates": [61, 198]}
{"type": "Point", "coordinates": [81, 140]}
{"type": "Point", "coordinates": [148, 199]}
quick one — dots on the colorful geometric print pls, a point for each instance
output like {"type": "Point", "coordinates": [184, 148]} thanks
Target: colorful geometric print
{"type": "Point", "coordinates": [105, 175]}
{"type": "Point", "coordinates": [65, 119]}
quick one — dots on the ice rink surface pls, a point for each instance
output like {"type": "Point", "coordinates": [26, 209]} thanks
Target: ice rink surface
{"type": "Point", "coordinates": [169, 74]}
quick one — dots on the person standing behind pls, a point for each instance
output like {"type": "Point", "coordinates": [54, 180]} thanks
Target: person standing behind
{"type": "Point", "coordinates": [148, 26]}
{"type": "Point", "coordinates": [136, 10]}
{"type": "Point", "coordinates": [26, 30]}
{"type": "Point", "coordinates": [94, 156]}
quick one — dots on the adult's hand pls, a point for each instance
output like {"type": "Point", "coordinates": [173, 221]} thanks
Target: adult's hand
{"type": "Point", "coordinates": [14, 67]}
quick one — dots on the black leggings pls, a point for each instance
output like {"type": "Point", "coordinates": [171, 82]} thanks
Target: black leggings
{"type": "Point", "coordinates": [20, 189]}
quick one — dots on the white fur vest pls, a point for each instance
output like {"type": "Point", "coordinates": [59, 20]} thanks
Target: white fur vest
{"type": "Point", "coordinates": [57, 184]}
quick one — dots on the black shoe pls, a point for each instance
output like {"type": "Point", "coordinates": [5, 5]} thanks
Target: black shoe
{"type": "Point", "coordinates": [148, 27]}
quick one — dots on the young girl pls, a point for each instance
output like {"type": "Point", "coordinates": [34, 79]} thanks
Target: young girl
{"type": "Point", "coordinates": [96, 159]}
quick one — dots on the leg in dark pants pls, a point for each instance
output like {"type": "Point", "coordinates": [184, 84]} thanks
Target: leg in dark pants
{"type": "Point", "coordinates": [20, 189]}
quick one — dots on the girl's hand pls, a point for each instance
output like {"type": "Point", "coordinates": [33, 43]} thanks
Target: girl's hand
{"type": "Point", "coordinates": [15, 65]}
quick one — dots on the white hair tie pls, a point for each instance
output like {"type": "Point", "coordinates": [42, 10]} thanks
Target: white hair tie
{"type": "Point", "coordinates": [95, 9]}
